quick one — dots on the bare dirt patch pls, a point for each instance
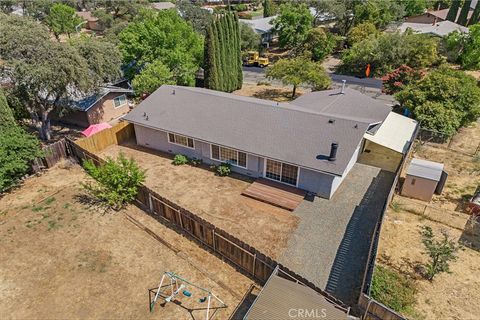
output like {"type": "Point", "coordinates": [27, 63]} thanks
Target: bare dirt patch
{"type": "Point", "coordinates": [216, 199]}
{"type": "Point", "coordinates": [278, 94]}
{"type": "Point", "coordinates": [454, 295]}
{"type": "Point", "coordinates": [63, 259]}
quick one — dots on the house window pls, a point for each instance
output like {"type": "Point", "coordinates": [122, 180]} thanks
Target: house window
{"type": "Point", "coordinates": [232, 156]}
{"type": "Point", "coordinates": [181, 140]}
{"type": "Point", "coordinates": [120, 101]}
{"type": "Point", "coordinates": [282, 172]}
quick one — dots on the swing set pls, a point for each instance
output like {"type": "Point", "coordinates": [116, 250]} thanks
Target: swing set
{"type": "Point", "coordinates": [176, 289]}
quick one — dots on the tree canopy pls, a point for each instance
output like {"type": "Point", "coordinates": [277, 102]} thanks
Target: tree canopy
{"type": "Point", "coordinates": [45, 72]}
{"type": "Point", "coordinates": [464, 48]}
{"type": "Point", "coordinates": [198, 17]}
{"type": "Point", "coordinates": [361, 32]}
{"type": "Point", "coordinates": [163, 36]}
{"type": "Point", "coordinates": [292, 25]}
{"type": "Point", "coordinates": [62, 19]}
{"type": "Point", "coordinates": [249, 39]}
{"type": "Point", "coordinates": [320, 43]}
{"type": "Point", "coordinates": [444, 100]}
{"type": "Point", "coordinates": [152, 77]}
{"type": "Point", "coordinates": [268, 8]}
{"type": "Point", "coordinates": [388, 51]}
{"type": "Point", "coordinates": [299, 71]}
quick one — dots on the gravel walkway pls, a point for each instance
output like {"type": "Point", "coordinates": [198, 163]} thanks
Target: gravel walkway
{"type": "Point", "coordinates": [331, 244]}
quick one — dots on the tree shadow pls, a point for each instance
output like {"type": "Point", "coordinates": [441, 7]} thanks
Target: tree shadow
{"type": "Point", "coordinates": [275, 94]}
{"type": "Point", "coordinates": [92, 202]}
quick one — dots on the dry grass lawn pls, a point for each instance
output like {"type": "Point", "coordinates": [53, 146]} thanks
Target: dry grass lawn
{"type": "Point", "coordinates": [279, 94]}
{"type": "Point", "coordinates": [63, 259]}
{"type": "Point", "coordinates": [216, 199]}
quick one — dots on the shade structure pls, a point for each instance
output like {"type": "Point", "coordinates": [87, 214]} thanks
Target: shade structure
{"type": "Point", "coordinates": [95, 128]}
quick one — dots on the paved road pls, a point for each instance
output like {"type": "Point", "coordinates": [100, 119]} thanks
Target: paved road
{"type": "Point", "coordinates": [369, 86]}
{"type": "Point", "coordinates": [330, 246]}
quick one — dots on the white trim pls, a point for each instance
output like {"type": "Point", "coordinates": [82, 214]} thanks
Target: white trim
{"type": "Point", "coordinates": [235, 165]}
{"type": "Point", "coordinates": [179, 144]}
{"type": "Point", "coordinates": [251, 153]}
{"type": "Point", "coordinates": [281, 169]}
{"type": "Point", "coordinates": [121, 105]}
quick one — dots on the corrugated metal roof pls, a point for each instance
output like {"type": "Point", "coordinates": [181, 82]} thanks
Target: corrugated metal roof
{"type": "Point", "coordinates": [394, 133]}
{"type": "Point", "coordinates": [283, 299]}
{"type": "Point", "coordinates": [280, 131]}
{"type": "Point", "coordinates": [425, 169]}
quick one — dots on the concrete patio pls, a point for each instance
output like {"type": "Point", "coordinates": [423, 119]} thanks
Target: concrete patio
{"type": "Point", "coordinates": [330, 246]}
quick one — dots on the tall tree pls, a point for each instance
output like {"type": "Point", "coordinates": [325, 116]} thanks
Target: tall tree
{"type": "Point", "coordinates": [195, 14]}
{"type": "Point", "coordinates": [268, 8]}
{"type": "Point", "coordinates": [152, 77]}
{"type": "Point", "coordinates": [463, 17]}
{"type": "Point", "coordinates": [163, 36]}
{"type": "Point", "coordinates": [223, 70]}
{"type": "Point", "coordinates": [292, 25]}
{"type": "Point", "coordinates": [453, 11]}
{"type": "Point", "coordinates": [50, 74]}
{"type": "Point", "coordinates": [475, 18]}
{"type": "Point", "coordinates": [299, 71]}
{"type": "Point", "coordinates": [62, 19]}
{"type": "Point", "coordinates": [250, 40]}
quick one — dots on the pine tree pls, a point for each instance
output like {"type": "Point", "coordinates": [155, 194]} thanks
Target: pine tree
{"type": "Point", "coordinates": [268, 9]}
{"type": "Point", "coordinates": [463, 18]}
{"type": "Point", "coordinates": [238, 52]}
{"type": "Point", "coordinates": [475, 18]}
{"type": "Point", "coordinates": [211, 74]}
{"type": "Point", "coordinates": [453, 11]}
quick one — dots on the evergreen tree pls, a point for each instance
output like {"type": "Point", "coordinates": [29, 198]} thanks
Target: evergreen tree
{"type": "Point", "coordinates": [452, 12]}
{"type": "Point", "coordinates": [268, 8]}
{"type": "Point", "coordinates": [475, 18]}
{"type": "Point", "coordinates": [222, 54]}
{"type": "Point", "coordinates": [463, 17]}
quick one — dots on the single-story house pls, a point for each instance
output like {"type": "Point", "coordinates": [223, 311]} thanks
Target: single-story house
{"type": "Point", "coordinates": [162, 5]}
{"type": "Point", "coordinates": [263, 27]}
{"type": "Point", "coordinates": [424, 178]}
{"type": "Point", "coordinates": [110, 102]}
{"type": "Point", "coordinates": [439, 29]}
{"type": "Point", "coordinates": [434, 16]}
{"type": "Point", "coordinates": [310, 143]}
{"type": "Point", "coordinates": [91, 22]}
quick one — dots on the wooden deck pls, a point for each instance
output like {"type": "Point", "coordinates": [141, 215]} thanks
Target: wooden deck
{"type": "Point", "coordinates": [275, 193]}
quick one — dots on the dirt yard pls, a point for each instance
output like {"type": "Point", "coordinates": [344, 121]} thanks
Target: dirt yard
{"type": "Point", "coordinates": [454, 295]}
{"type": "Point", "coordinates": [279, 94]}
{"type": "Point", "coordinates": [61, 258]}
{"type": "Point", "coordinates": [216, 199]}
{"type": "Point", "coordinates": [463, 170]}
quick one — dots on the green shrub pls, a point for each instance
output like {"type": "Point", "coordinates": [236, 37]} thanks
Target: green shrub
{"type": "Point", "coordinates": [393, 289]}
{"type": "Point", "coordinates": [179, 159]}
{"type": "Point", "coordinates": [195, 162]}
{"type": "Point", "coordinates": [224, 169]}
{"type": "Point", "coordinates": [117, 181]}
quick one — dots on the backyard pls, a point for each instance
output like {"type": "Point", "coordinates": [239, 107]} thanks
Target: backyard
{"type": "Point", "coordinates": [63, 258]}
{"type": "Point", "coordinates": [214, 198]}
{"type": "Point", "coordinates": [456, 294]}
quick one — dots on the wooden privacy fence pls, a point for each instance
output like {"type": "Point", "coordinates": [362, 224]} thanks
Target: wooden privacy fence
{"type": "Point", "coordinates": [117, 134]}
{"type": "Point", "coordinates": [374, 310]}
{"type": "Point", "coordinates": [53, 153]}
{"type": "Point", "coordinates": [241, 255]}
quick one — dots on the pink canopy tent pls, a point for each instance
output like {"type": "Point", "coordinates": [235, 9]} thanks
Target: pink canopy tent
{"type": "Point", "coordinates": [95, 128]}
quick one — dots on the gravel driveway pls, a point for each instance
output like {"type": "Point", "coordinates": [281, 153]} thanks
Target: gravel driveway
{"type": "Point", "coordinates": [331, 244]}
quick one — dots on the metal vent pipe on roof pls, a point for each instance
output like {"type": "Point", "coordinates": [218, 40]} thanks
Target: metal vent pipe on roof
{"type": "Point", "coordinates": [333, 152]}
{"type": "Point", "coordinates": [343, 86]}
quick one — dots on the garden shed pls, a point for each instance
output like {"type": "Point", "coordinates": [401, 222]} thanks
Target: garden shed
{"type": "Point", "coordinates": [423, 179]}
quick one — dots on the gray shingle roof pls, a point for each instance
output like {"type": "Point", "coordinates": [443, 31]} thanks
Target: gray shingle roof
{"type": "Point", "coordinates": [280, 131]}
{"type": "Point", "coordinates": [425, 169]}
{"type": "Point", "coordinates": [85, 102]}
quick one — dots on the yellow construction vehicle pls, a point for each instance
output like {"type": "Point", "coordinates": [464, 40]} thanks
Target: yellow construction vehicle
{"type": "Point", "coordinates": [254, 59]}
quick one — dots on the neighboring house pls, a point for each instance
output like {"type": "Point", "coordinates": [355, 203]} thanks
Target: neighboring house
{"type": "Point", "coordinates": [424, 178]}
{"type": "Point", "coordinates": [434, 16]}
{"type": "Point", "coordinates": [439, 29]}
{"type": "Point", "coordinates": [311, 143]}
{"type": "Point", "coordinates": [263, 27]}
{"type": "Point", "coordinates": [91, 22]}
{"type": "Point", "coordinates": [111, 102]}
{"type": "Point", "coordinates": [162, 5]}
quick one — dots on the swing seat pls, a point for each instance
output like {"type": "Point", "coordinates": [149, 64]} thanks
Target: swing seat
{"type": "Point", "coordinates": [187, 293]}
{"type": "Point", "coordinates": [202, 300]}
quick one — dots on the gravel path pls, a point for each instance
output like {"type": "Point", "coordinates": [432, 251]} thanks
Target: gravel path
{"type": "Point", "coordinates": [331, 244]}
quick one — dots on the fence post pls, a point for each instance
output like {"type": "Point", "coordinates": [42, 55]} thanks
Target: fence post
{"type": "Point", "coordinates": [213, 239]}
{"type": "Point", "coordinates": [254, 263]}
{"type": "Point", "coordinates": [150, 203]}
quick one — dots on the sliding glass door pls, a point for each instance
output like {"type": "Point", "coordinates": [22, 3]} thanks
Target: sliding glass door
{"type": "Point", "coordinates": [282, 172]}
